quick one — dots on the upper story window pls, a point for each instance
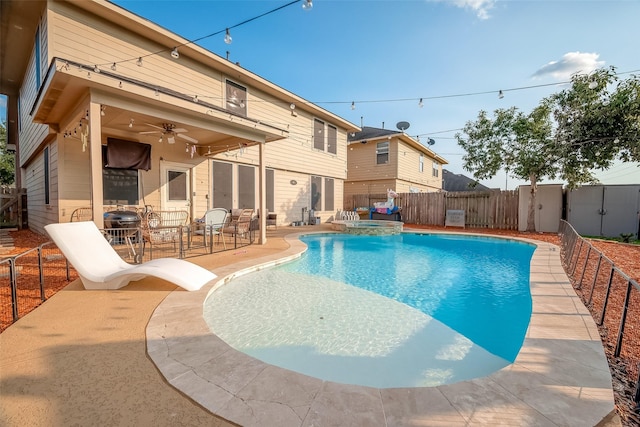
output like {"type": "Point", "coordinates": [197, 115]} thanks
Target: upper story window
{"type": "Point", "coordinates": [236, 98]}
{"type": "Point", "coordinates": [325, 137]}
{"type": "Point", "coordinates": [421, 163]}
{"type": "Point", "coordinates": [382, 153]}
{"type": "Point", "coordinates": [436, 168]}
{"type": "Point", "coordinates": [37, 58]}
{"type": "Point", "coordinates": [332, 139]}
{"type": "Point", "coordinates": [318, 134]}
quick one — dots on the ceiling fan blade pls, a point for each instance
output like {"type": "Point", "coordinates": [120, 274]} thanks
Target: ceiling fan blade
{"type": "Point", "coordinates": [188, 138]}
{"type": "Point", "coordinates": [154, 126]}
{"type": "Point", "coordinates": [149, 132]}
{"type": "Point", "coordinates": [179, 130]}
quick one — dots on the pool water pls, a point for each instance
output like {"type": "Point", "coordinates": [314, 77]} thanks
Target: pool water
{"type": "Point", "coordinates": [407, 310]}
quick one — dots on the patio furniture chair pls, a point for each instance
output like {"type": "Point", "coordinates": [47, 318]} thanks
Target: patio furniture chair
{"type": "Point", "coordinates": [100, 267]}
{"type": "Point", "coordinates": [82, 214]}
{"type": "Point", "coordinates": [272, 220]}
{"type": "Point", "coordinates": [212, 224]}
{"type": "Point", "coordinates": [164, 228]}
{"type": "Point", "coordinates": [241, 225]}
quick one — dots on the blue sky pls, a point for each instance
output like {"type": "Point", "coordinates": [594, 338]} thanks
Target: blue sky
{"type": "Point", "coordinates": [377, 53]}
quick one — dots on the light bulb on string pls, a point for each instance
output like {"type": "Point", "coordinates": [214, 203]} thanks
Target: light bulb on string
{"type": "Point", "coordinates": [139, 62]}
{"type": "Point", "coordinates": [113, 67]}
{"type": "Point", "coordinates": [174, 53]}
{"type": "Point", "coordinates": [353, 105]}
{"type": "Point", "coordinates": [420, 103]}
{"type": "Point", "coordinates": [500, 94]}
{"type": "Point", "coordinates": [227, 37]}
{"type": "Point", "coordinates": [307, 5]}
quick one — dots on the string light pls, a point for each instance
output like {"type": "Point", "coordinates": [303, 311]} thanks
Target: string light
{"type": "Point", "coordinates": [500, 94]}
{"type": "Point", "coordinates": [174, 53]}
{"type": "Point", "coordinates": [96, 69]}
{"type": "Point", "coordinates": [113, 67]}
{"type": "Point", "coordinates": [307, 5]}
{"type": "Point", "coordinates": [130, 123]}
{"type": "Point", "coordinates": [420, 103]}
{"type": "Point", "coordinates": [139, 62]}
{"type": "Point", "coordinates": [102, 108]}
{"type": "Point", "coordinates": [227, 37]}
{"type": "Point", "coordinates": [353, 105]}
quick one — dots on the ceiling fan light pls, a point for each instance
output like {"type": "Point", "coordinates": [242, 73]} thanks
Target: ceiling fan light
{"type": "Point", "coordinates": [171, 139]}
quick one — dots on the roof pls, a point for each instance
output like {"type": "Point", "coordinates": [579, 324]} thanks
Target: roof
{"type": "Point", "coordinates": [372, 134]}
{"type": "Point", "coordinates": [459, 182]}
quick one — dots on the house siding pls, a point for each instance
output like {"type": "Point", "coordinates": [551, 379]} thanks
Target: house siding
{"type": "Point", "coordinates": [70, 32]}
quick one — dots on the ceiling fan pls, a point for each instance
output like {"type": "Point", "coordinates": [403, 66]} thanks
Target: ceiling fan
{"type": "Point", "coordinates": [171, 131]}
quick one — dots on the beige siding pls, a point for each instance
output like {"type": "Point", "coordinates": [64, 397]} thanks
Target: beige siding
{"type": "Point", "coordinates": [80, 37]}
{"type": "Point", "coordinates": [362, 165]}
{"type": "Point", "coordinates": [40, 214]}
{"type": "Point", "coordinates": [409, 169]}
{"type": "Point", "coordinates": [31, 135]}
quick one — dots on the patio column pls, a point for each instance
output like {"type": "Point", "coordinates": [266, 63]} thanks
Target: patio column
{"type": "Point", "coordinates": [95, 154]}
{"type": "Point", "coordinates": [262, 194]}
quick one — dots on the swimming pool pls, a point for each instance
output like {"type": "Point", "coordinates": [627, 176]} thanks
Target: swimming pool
{"type": "Point", "coordinates": [395, 311]}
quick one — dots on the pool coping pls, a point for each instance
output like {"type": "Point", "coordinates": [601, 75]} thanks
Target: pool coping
{"type": "Point", "coordinates": [559, 378]}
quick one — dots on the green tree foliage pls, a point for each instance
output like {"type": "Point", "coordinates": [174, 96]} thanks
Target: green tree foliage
{"type": "Point", "coordinates": [598, 121]}
{"type": "Point", "coordinates": [7, 159]}
{"type": "Point", "coordinates": [568, 135]}
{"type": "Point", "coordinates": [512, 140]}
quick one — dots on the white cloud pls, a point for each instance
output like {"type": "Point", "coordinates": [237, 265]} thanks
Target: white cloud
{"type": "Point", "coordinates": [479, 7]}
{"type": "Point", "coordinates": [571, 63]}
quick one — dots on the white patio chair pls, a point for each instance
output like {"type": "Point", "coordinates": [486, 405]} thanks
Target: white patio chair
{"type": "Point", "coordinates": [100, 267]}
{"type": "Point", "coordinates": [212, 225]}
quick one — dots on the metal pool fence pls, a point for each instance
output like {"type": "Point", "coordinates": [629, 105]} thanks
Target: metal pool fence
{"type": "Point", "coordinates": [613, 299]}
{"type": "Point", "coordinates": [30, 278]}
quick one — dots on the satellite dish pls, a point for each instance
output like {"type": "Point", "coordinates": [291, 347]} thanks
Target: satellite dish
{"type": "Point", "coordinates": [403, 126]}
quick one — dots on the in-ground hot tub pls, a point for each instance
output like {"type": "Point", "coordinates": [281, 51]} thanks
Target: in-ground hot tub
{"type": "Point", "coordinates": [368, 227]}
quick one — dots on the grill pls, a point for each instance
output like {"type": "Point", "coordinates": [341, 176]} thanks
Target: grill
{"type": "Point", "coordinates": [121, 219]}
{"type": "Point", "coordinates": [122, 229]}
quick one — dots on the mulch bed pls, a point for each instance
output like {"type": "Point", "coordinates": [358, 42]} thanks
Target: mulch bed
{"type": "Point", "coordinates": [626, 257]}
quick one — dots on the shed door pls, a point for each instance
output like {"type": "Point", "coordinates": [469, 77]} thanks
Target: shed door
{"type": "Point", "coordinates": [620, 204]}
{"type": "Point", "coordinates": [585, 206]}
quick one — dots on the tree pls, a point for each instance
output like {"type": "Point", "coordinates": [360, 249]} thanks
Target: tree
{"type": "Point", "coordinates": [514, 141]}
{"type": "Point", "coordinates": [598, 119]}
{"type": "Point", "coordinates": [7, 159]}
{"type": "Point", "coordinates": [568, 135]}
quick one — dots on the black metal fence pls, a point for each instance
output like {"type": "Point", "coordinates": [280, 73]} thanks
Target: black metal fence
{"type": "Point", "coordinates": [613, 299]}
{"type": "Point", "coordinates": [29, 278]}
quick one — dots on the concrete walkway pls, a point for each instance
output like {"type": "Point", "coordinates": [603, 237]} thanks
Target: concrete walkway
{"type": "Point", "coordinates": [84, 358]}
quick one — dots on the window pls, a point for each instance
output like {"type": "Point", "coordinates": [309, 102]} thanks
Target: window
{"type": "Point", "coordinates": [332, 139]}
{"type": "Point", "coordinates": [246, 187]}
{"type": "Point", "coordinates": [270, 184]}
{"type": "Point", "coordinates": [119, 186]}
{"type": "Point", "coordinates": [222, 185]}
{"type": "Point", "coordinates": [178, 185]}
{"type": "Point", "coordinates": [382, 153]}
{"type": "Point", "coordinates": [236, 98]}
{"type": "Point", "coordinates": [421, 163]}
{"type": "Point", "coordinates": [37, 58]}
{"type": "Point", "coordinates": [322, 197]}
{"type": "Point", "coordinates": [318, 134]}
{"type": "Point", "coordinates": [328, 194]}
{"type": "Point", "coordinates": [436, 168]}
{"type": "Point", "coordinates": [316, 193]}
{"type": "Point", "coordinates": [46, 176]}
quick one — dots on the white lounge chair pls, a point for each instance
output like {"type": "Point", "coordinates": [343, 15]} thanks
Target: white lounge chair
{"type": "Point", "coordinates": [100, 267]}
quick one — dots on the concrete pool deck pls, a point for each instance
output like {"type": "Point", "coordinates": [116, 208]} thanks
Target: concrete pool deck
{"type": "Point", "coordinates": [82, 358]}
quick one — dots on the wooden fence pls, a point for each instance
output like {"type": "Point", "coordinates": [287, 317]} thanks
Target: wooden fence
{"type": "Point", "coordinates": [483, 209]}
{"type": "Point", "coordinates": [13, 207]}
